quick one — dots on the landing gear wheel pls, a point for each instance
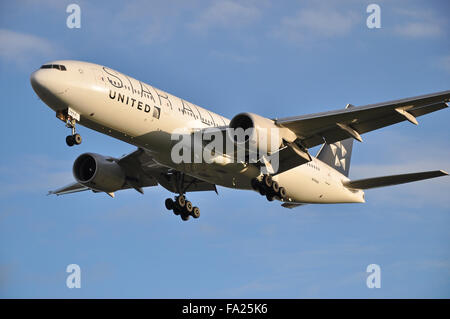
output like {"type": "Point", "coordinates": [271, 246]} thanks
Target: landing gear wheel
{"type": "Point", "coordinates": [255, 184]}
{"type": "Point", "coordinates": [267, 181]}
{"type": "Point", "coordinates": [275, 187]}
{"type": "Point", "coordinates": [70, 141]}
{"type": "Point", "coordinates": [188, 207]}
{"type": "Point", "coordinates": [184, 217]}
{"type": "Point", "coordinates": [269, 197]}
{"type": "Point", "coordinates": [181, 201]}
{"type": "Point", "coordinates": [77, 138]}
{"type": "Point", "coordinates": [195, 212]}
{"type": "Point", "coordinates": [282, 192]}
{"type": "Point", "coordinates": [169, 203]}
{"type": "Point", "coordinates": [262, 190]}
{"type": "Point", "coordinates": [176, 211]}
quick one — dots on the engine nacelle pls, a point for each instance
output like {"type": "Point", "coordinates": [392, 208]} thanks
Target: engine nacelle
{"type": "Point", "coordinates": [264, 135]}
{"type": "Point", "coordinates": [98, 172]}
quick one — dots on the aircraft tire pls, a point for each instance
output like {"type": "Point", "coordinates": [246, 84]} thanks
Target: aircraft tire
{"type": "Point", "coordinates": [70, 140]}
{"type": "Point", "coordinates": [255, 184]}
{"type": "Point", "coordinates": [181, 201]}
{"type": "Point", "coordinates": [275, 187]}
{"type": "Point", "coordinates": [282, 192]}
{"type": "Point", "coordinates": [169, 203]}
{"type": "Point", "coordinates": [195, 212]}
{"type": "Point", "coordinates": [262, 190]}
{"type": "Point", "coordinates": [77, 139]}
{"type": "Point", "coordinates": [267, 181]}
{"type": "Point", "coordinates": [188, 207]}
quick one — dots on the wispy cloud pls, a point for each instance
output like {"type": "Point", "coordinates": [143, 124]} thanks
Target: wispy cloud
{"type": "Point", "coordinates": [419, 24]}
{"type": "Point", "coordinates": [418, 30]}
{"type": "Point", "coordinates": [226, 14]}
{"type": "Point", "coordinates": [37, 174]}
{"type": "Point", "coordinates": [21, 48]}
{"type": "Point", "coordinates": [322, 22]}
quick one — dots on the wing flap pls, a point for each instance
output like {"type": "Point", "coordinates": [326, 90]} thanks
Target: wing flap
{"type": "Point", "coordinates": [383, 181]}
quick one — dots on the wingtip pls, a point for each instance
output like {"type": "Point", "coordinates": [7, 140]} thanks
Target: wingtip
{"type": "Point", "coordinates": [443, 172]}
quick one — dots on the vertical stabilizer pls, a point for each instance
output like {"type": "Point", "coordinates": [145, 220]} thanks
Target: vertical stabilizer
{"type": "Point", "coordinates": [337, 155]}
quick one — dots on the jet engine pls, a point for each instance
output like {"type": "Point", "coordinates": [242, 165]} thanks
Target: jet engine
{"type": "Point", "coordinates": [261, 133]}
{"type": "Point", "coordinates": [98, 172]}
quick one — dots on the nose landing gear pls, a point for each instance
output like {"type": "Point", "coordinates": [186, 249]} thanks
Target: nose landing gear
{"type": "Point", "coordinates": [269, 188]}
{"type": "Point", "coordinates": [70, 117]}
{"type": "Point", "coordinates": [75, 138]}
{"type": "Point", "coordinates": [181, 206]}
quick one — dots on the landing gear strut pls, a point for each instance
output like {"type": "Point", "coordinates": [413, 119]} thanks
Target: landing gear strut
{"type": "Point", "coordinates": [70, 117]}
{"type": "Point", "coordinates": [75, 138]}
{"type": "Point", "coordinates": [269, 188]}
{"type": "Point", "coordinates": [180, 205]}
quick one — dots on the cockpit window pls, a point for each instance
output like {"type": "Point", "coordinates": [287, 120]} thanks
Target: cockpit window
{"type": "Point", "coordinates": [54, 66]}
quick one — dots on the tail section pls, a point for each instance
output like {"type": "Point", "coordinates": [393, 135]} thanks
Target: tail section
{"type": "Point", "coordinates": [337, 155]}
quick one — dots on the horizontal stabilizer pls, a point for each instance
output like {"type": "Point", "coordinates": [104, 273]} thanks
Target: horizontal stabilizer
{"type": "Point", "coordinates": [392, 180]}
{"type": "Point", "coordinates": [69, 189]}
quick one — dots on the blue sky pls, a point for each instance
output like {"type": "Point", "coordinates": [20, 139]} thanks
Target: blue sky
{"type": "Point", "coordinates": [273, 58]}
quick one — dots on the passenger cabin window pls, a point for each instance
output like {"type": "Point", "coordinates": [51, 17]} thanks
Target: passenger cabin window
{"type": "Point", "coordinates": [156, 112]}
{"type": "Point", "coordinates": [54, 66]}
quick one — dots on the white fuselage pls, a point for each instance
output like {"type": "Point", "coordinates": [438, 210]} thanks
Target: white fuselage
{"type": "Point", "coordinates": [137, 113]}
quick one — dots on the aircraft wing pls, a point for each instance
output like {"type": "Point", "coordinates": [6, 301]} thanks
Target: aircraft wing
{"type": "Point", "coordinates": [334, 126]}
{"type": "Point", "coordinates": [143, 171]}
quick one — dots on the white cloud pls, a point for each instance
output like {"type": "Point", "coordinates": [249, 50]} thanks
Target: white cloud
{"type": "Point", "coordinates": [37, 174]}
{"type": "Point", "coordinates": [315, 23]}
{"type": "Point", "coordinates": [226, 14]}
{"type": "Point", "coordinates": [21, 48]}
{"type": "Point", "coordinates": [418, 30]}
{"type": "Point", "coordinates": [419, 24]}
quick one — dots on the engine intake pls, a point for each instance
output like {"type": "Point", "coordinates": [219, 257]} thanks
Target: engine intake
{"type": "Point", "coordinates": [99, 172]}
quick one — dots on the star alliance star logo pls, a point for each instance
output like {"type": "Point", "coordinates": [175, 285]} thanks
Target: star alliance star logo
{"type": "Point", "coordinates": [339, 160]}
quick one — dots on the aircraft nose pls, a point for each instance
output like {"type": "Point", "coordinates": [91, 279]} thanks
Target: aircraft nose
{"type": "Point", "coordinates": [50, 86]}
{"type": "Point", "coordinates": [48, 82]}
{"type": "Point", "coordinates": [37, 80]}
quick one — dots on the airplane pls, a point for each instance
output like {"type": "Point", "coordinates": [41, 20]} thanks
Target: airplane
{"type": "Point", "coordinates": [112, 103]}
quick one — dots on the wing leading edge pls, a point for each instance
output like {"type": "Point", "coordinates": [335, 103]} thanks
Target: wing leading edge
{"type": "Point", "coordinates": [143, 171]}
{"type": "Point", "coordinates": [334, 126]}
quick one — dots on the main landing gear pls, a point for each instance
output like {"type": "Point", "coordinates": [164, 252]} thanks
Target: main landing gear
{"type": "Point", "coordinates": [269, 188]}
{"type": "Point", "coordinates": [181, 206]}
